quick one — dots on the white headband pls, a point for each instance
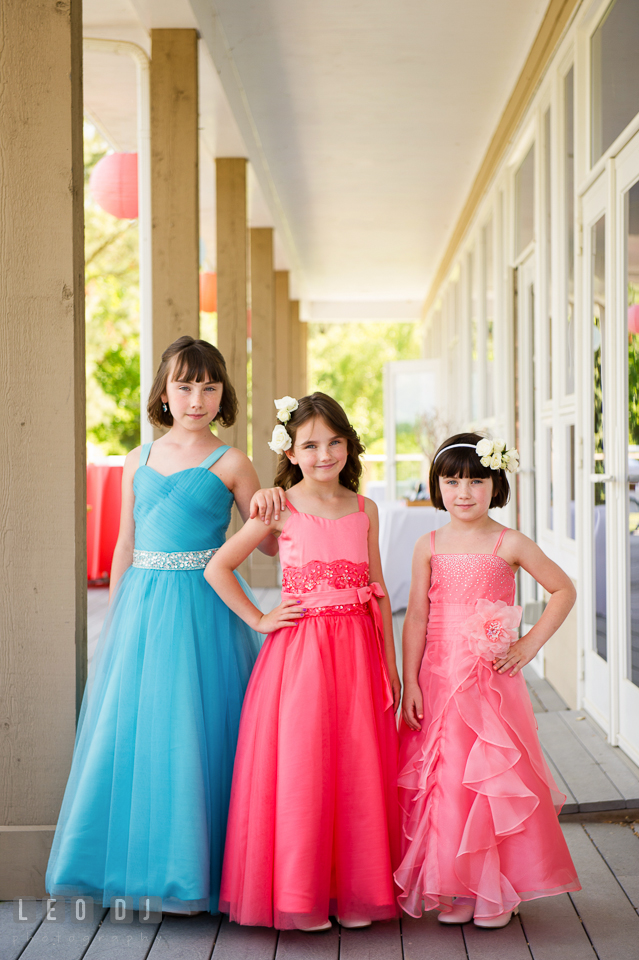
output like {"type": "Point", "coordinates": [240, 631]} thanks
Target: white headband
{"type": "Point", "coordinates": [472, 446]}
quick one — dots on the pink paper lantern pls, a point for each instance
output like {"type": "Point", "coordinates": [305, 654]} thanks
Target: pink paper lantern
{"type": "Point", "coordinates": [114, 184]}
{"type": "Point", "coordinates": [208, 292]}
{"type": "Point", "coordinates": [633, 318]}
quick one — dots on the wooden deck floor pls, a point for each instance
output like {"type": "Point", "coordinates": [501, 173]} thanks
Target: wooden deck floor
{"type": "Point", "coordinates": [600, 922]}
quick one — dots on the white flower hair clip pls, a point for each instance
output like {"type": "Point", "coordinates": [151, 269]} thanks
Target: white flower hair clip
{"type": "Point", "coordinates": [492, 453]}
{"type": "Point", "coordinates": [285, 407]}
{"type": "Point", "coordinates": [281, 439]}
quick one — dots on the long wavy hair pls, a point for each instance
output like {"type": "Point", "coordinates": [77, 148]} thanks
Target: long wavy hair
{"type": "Point", "coordinates": [321, 406]}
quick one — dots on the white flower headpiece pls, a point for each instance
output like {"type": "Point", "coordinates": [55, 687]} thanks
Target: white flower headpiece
{"type": "Point", "coordinates": [492, 453]}
{"type": "Point", "coordinates": [281, 439]}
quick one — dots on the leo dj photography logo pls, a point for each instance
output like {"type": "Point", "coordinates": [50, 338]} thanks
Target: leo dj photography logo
{"type": "Point", "coordinates": [83, 910]}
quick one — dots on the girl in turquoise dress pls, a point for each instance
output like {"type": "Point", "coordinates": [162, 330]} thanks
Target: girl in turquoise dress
{"type": "Point", "coordinates": [145, 808]}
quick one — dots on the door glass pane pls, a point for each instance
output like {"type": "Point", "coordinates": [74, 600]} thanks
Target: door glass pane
{"type": "Point", "coordinates": [525, 201]}
{"type": "Point", "coordinates": [615, 74]}
{"type": "Point", "coordinates": [548, 264]}
{"type": "Point", "coordinates": [489, 293]}
{"type": "Point", "coordinates": [569, 171]}
{"type": "Point", "coordinates": [598, 313]}
{"type": "Point", "coordinates": [474, 340]}
{"type": "Point", "coordinates": [570, 514]}
{"type": "Point", "coordinates": [633, 426]}
{"type": "Point", "coordinates": [549, 488]}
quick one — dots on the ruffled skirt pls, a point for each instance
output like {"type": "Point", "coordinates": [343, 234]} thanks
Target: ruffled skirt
{"type": "Point", "coordinates": [314, 821]}
{"type": "Point", "coordinates": [478, 800]}
{"type": "Point", "coordinates": [145, 808]}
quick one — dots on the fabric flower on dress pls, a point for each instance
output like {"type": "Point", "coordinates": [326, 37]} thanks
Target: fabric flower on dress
{"type": "Point", "coordinates": [492, 628]}
{"type": "Point", "coordinates": [281, 440]}
{"type": "Point", "coordinates": [285, 408]}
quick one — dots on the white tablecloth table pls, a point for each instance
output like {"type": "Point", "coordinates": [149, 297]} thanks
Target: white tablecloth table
{"type": "Point", "coordinates": [400, 527]}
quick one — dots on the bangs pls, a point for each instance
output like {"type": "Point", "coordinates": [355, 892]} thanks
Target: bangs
{"type": "Point", "coordinates": [461, 462]}
{"type": "Point", "coordinates": [194, 364]}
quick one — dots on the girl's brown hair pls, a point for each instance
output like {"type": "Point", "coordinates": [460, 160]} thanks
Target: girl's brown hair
{"type": "Point", "coordinates": [465, 462]}
{"type": "Point", "coordinates": [195, 360]}
{"type": "Point", "coordinates": [320, 406]}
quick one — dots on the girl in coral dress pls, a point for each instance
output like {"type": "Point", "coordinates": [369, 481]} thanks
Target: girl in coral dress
{"type": "Point", "coordinates": [480, 827]}
{"type": "Point", "coordinates": [314, 819]}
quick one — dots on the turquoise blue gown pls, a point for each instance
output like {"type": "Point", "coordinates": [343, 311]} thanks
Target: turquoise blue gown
{"type": "Point", "coordinates": [145, 808]}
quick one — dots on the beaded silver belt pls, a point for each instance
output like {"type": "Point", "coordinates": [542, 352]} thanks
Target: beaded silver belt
{"type": "Point", "coordinates": [191, 560]}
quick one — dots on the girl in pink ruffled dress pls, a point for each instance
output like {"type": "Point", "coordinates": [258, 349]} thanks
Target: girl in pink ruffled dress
{"type": "Point", "coordinates": [313, 827]}
{"type": "Point", "coordinates": [480, 827]}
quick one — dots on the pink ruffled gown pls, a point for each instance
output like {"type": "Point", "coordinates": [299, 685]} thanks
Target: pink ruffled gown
{"type": "Point", "coordinates": [313, 826]}
{"type": "Point", "coordinates": [479, 802]}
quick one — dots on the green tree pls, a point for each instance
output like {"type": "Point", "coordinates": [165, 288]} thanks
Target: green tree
{"type": "Point", "coordinates": [347, 362]}
{"type": "Point", "coordinates": [112, 318]}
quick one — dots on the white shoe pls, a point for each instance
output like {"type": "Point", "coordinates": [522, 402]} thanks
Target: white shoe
{"type": "Point", "coordinates": [319, 929]}
{"type": "Point", "coordinates": [494, 923]}
{"type": "Point", "coordinates": [354, 924]}
{"type": "Point", "coordinates": [461, 911]}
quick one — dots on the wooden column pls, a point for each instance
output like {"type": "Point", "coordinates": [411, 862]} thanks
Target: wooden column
{"type": "Point", "coordinates": [174, 187]}
{"type": "Point", "coordinates": [231, 283]}
{"type": "Point", "coordinates": [263, 569]}
{"type": "Point", "coordinates": [297, 359]}
{"type": "Point", "coordinates": [42, 469]}
{"type": "Point", "coordinates": [283, 347]}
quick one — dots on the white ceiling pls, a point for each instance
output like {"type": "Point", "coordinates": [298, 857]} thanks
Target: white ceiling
{"type": "Point", "coordinates": [365, 121]}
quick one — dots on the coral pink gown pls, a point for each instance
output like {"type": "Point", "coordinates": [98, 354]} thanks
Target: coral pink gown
{"type": "Point", "coordinates": [479, 802]}
{"type": "Point", "coordinates": [313, 826]}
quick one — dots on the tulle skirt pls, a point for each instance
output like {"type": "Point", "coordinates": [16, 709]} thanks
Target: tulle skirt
{"type": "Point", "coordinates": [145, 808]}
{"type": "Point", "coordinates": [314, 821]}
{"type": "Point", "coordinates": [479, 802]}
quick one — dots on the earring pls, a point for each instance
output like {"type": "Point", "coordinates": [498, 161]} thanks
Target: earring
{"type": "Point", "coordinates": [165, 407]}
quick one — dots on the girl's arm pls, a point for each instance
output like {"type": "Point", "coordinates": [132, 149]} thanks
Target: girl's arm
{"type": "Point", "coordinates": [414, 634]}
{"type": "Point", "coordinates": [219, 573]}
{"type": "Point", "coordinates": [123, 553]}
{"type": "Point", "coordinates": [558, 584]}
{"type": "Point", "coordinates": [267, 503]}
{"type": "Point", "coordinates": [375, 572]}
{"type": "Point", "coordinates": [239, 475]}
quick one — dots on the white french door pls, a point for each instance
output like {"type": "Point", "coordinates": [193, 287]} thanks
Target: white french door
{"type": "Point", "coordinates": [526, 426]}
{"type": "Point", "coordinates": [597, 351]}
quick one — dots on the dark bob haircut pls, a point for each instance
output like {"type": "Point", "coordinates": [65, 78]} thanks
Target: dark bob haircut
{"type": "Point", "coordinates": [464, 462]}
{"type": "Point", "coordinates": [319, 406]}
{"type": "Point", "coordinates": [198, 361]}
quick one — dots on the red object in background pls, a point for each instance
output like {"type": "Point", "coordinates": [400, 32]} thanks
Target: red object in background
{"type": "Point", "coordinates": [633, 318]}
{"type": "Point", "coordinates": [114, 184]}
{"type": "Point", "coordinates": [208, 292]}
{"type": "Point", "coordinates": [104, 494]}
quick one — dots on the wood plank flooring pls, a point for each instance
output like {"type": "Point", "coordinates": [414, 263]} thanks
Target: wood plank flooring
{"type": "Point", "coordinates": [599, 922]}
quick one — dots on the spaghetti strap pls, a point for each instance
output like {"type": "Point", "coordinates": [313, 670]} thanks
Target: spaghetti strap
{"type": "Point", "coordinates": [213, 457]}
{"type": "Point", "coordinates": [432, 543]}
{"type": "Point", "coordinates": [361, 503]}
{"type": "Point", "coordinates": [498, 544]}
{"type": "Point", "coordinates": [144, 453]}
{"type": "Point", "coordinates": [291, 507]}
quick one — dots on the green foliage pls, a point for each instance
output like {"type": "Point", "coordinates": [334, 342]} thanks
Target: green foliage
{"type": "Point", "coordinates": [112, 318]}
{"type": "Point", "coordinates": [347, 361]}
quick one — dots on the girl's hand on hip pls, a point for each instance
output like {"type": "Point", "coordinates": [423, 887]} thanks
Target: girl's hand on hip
{"type": "Point", "coordinates": [521, 652]}
{"type": "Point", "coordinates": [413, 706]}
{"type": "Point", "coordinates": [267, 503]}
{"type": "Point", "coordinates": [285, 615]}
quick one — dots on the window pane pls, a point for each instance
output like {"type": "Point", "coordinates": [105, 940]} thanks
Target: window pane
{"type": "Point", "coordinates": [571, 482]}
{"type": "Point", "coordinates": [615, 74]}
{"type": "Point", "coordinates": [549, 489]}
{"type": "Point", "coordinates": [548, 232]}
{"type": "Point", "coordinates": [569, 161]}
{"type": "Point", "coordinates": [489, 293]}
{"type": "Point", "coordinates": [599, 315]}
{"type": "Point", "coordinates": [525, 201]}
{"type": "Point", "coordinates": [633, 426]}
